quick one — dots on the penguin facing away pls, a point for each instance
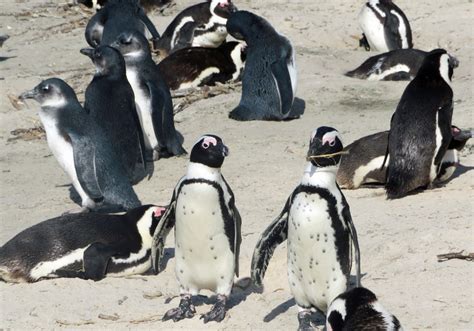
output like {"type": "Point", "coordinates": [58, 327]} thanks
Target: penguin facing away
{"type": "Point", "coordinates": [207, 231]}
{"type": "Point", "coordinates": [317, 223]}
{"type": "Point", "coordinates": [269, 77]}
{"type": "Point", "coordinates": [357, 310]}
{"type": "Point", "coordinates": [88, 246]}
{"type": "Point", "coordinates": [81, 148]}
{"type": "Point", "coordinates": [385, 27]}
{"type": "Point", "coordinates": [198, 66]}
{"type": "Point", "coordinates": [201, 25]}
{"type": "Point", "coordinates": [116, 17]}
{"type": "Point", "coordinates": [152, 96]}
{"type": "Point", "coordinates": [420, 129]}
{"type": "Point", "coordinates": [110, 101]}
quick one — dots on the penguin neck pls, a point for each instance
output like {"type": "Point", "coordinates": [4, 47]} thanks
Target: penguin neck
{"type": "Point", "coordinates": [319, 176]}
{"type": "Point", "coordinates": [201, 171]}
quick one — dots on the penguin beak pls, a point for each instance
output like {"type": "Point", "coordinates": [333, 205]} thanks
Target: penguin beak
{"type": "Point", "coordinates": [232, 8]}
{"type": "Point", "coordinates": [463, 135]}
{"type": "Point", "coordinates": [225, 150]}
{"type": "Point", "coordinates": [32, 94]}
{"type": "Point", "coordinates": [454, 62]}
{"type": "Point", "coordinates": [88, 52]}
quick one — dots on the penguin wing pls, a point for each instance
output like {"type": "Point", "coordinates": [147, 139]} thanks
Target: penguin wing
{"type": "Point", "coordinates": [282, 79]}
{"type": "Point", "coordinates": [274, 234]}
{"type": "Point", "coordinates": [445, 115]}
{"type": "Point", "coordinates": [236, 226]}
{"type": "Point", "coordinates": [184, 36]}
{"type": "Point", "coordinates": [392, 35]}
{"type": "Point", "coordinates": [148, 23]}
{"type": "Point", "coordinates": [347, 218]}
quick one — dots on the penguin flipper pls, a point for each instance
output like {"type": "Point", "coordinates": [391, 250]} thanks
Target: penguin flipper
{"type": "Point", "coordinates": [274, 234]}
{"type": "Point", "coordinates": [184, 37]}
{"type": "Point", "coordinates": [283, 82]}
{"type": "Point", "coordinates": [445, 115]}
{"type": "Point", "coordinates": [392, 35]}
{"type": "Point", "coordinates": [346, 215]}
{"type": "Point", "coordinates": [149, 24]}
{"type": "Point", "coordinates": [236, 226]}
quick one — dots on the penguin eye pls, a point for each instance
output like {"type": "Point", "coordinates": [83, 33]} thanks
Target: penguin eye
{"type": "Point", "coordinates": [45, 88]}
{"type": "Point", "coordinates": [332, 143]}
{"type": "Point", "coordinates": [205, 145]}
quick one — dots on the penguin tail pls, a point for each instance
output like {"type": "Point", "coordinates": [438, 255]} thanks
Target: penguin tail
{"type": "Point", "coordinates": [351, 73]}
{"type": "Point", "coordinates": [396, 185]}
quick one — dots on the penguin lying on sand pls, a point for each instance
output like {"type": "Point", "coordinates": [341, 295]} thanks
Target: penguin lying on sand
{"type": "Point", "coordinates": [198, 66]}
{"type": "Point", "coordinates": [207, 231]}
{"type": "Point", "coordinates": [88, 246]}
{"type": "Point", "coordinates": [317, 223]}
{"type": "Point", "coordinates": [81, 148]}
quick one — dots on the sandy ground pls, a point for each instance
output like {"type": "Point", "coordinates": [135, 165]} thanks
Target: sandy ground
{"type": "Point", "coordinates": [399, 239]}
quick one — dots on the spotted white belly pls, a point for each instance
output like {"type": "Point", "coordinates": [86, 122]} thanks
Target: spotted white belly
{"type": "Point", "coordinates": [203, 256]}
{"type": "Point", "coordinates": [144, 110]}
{"type": "Point", "coordinates": [373, 30]}
{"type": "Point", "coordinates": [314, 274]}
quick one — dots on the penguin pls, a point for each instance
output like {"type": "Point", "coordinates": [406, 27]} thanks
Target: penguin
{"type": "Point", "coordinates": [116, 17]}
{"type": "Point", "coordinates": [385, 27]}
{"type": "Point", "coordinates": [110, 101]}
{"type": "Point", "coordinates": [207, 231]}
{"type": "Point", "coordinates": [87, 246]}
{"type": "Point", "coordinates": [147, 5]}
{"type": "Point", "coordinates": [3, 38]}
{"type": "Point", "coordinates": [420, 129]}
{"type": "Point", "coordinates": [201, 25]}
{"type": "Point", "coordinates": [198, 66]}
{"type": "Point", "coordinates": [86, 155]}
{"type": "Point", "coordinates": [363, 160]}
{"type": "Point", "coordinates": [358, 309]}
{"type": "Point", "coordinates": [269, 77]}
{"type": "Point", "coordinates": [152, 96]}
{"type": "Point", "coordinates": [317, 223]}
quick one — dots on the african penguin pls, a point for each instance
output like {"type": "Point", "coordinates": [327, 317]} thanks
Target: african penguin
{"type": "Point", "coordinates": [362, 162]}
{"type": "Point", "coordinates": [357, 310]}
{"type": "Point", "coordinates": [207, 231]}
{"type": "Point", "coordinates": [385, 27]}
{"type": "Point", "coordinates": [116, 17]}
{"type": "Point", "coordinates": [201, 25]}
{"type": "Point", "coordinates": [198, 66]}
{"type": "Point", "coordinates": [420, 129]}
{"type": "Point", "coordinates": [269, 77]}
{"type": "Point", "coordinates": [88, 246]}
{"type": "Point", "coordinates": [317, 223]}
{"type": "Point", "coordinates": [110, 101]}
{"type": "Point", "coordinates": [83, 151]}
{"type": "Point", "coordinates": [152, 96]}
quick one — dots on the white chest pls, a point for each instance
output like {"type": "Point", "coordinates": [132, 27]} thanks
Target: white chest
{"type": "Point", "coordinates": [373, 29]}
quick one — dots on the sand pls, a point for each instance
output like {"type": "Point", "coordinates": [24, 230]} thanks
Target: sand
{"type": "Point", "coordinates": [399, 239]}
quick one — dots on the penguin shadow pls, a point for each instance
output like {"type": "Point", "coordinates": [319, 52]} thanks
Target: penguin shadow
{"type": "Point", "coordinates": [460, 170]}
{"type": "Point", "coordinates": [168, 254]}
{"type": "Point", "coordinates": [243, 287]}
{"type": "Point", "coordinates": [4, 58]}
{"type": "Point", "coordinates": [298, 108]}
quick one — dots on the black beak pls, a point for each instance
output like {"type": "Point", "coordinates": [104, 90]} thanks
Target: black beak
{"type": "Point", "coordinates": [28, 95]}
{"type": "Point", "coordinates": [88, 52]}
{"type": "Point", "coordinates": [464, 135]}
{"type": "Point", "coordinates": [225, 150]}
{"type": "Point", "coordinates": [453, 61]}
{"type": "Point", "coordinates": [232, 8]}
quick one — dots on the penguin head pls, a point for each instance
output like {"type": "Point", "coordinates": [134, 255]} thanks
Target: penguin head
{"type": "Point", "coordinates": [222, 8]}
{"type": "Point", "coordinates": [244, 25]}
{"type": "Point", "coordinates": [133, 45]}
{"type": "Point", "coordinates": [51, 93]}
{"type": "Point", "coordinates": [459, 138]}
{"type": "Point", "coordinates": [107, 60]}
{"type": "Point", "coordinates": [325, 147]}
{"type": "Point", "coordinates": [438, 63]}
{"type": "Point", "coordinates": [210, 151]}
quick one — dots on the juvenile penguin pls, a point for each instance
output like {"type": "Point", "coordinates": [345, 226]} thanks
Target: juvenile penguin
{"type": "Point", "coordinates": [385, 27]}
{"type": "Point", "coordinates": [198, 66]}
{"type": "Point", "coordinates": [357, 310]}
{"type": "Point", "coordinates": [207, 231]}
{"type": "Point", "coordinates": [111, 103]}
{"type": "Point", "coordinates": [116, 17]}
{"type": "Point", "coordinates": [317, 223]}
{"type": "Point", "coordinates": [152, 96]}
{"type": "Point", "coordinates": [201, 25]}
{"type": "Point", "coordinates": [269, 77]}
{"type": "Point", "coordinates": [420, 129]}
{"type": "Point", "coordinates": [88, 246]}
{"type": "Point", "coordinates": [81, 149]}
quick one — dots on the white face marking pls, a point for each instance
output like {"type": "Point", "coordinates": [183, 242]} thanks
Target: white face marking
{"type": "Point", "coordinates": [204, 74]}
{"type": "Point", "coordinates": [444, 68]}
{"type": "Point", "coordinates": [178, 27]}
{"type": "Point", "coordinates": [237, 59]}
{"type": "Point", "coordinates": [402, 29]}
{"type": "Point", "coordinates": [381, 75]}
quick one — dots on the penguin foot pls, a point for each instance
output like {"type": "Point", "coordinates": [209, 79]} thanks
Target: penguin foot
{"type": "Point", "coordinates": [304, 319]}
{"type": "Point", "coordinates": [184, 310]}
{"type": "Point", "coordinates": [217, 313]}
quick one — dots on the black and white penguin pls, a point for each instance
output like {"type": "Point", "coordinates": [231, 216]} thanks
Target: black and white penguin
{"type": "Point", "coordinates": [420, 129]}
{"type": "Point", "coordinates": [152, 96]}
{"type": "Point", "coordinates": [201, 25]}
{"type": "Point", "coordinates": [358, 309]}
{"type": "Point", "coordinates": [199, 66]}
{"type": "Point", "coordinates": [269, 77]}
{"type": "Point", "coordinates": [81, 148]}
{"type": "Point", "coordinates": [207, 231]}
{"type": "Point", "coordinates": [385, 27]}
{"type": "Point", "coordinates": [88, 246]}
{"type": "Point", "coordinates": [110, 101]}
{"type": "Point", "coordinates": [317, 223]}
{"type": "Point", "coordinates": [116, 17]}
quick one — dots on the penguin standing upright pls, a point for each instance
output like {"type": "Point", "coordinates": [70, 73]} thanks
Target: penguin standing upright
{"type": "Point", "coordinates": [420, 129]}
{"type": "Point", "coordinates": [114, 18]}
{"type": "Point", "coordinates": [201, 25]}
{"type": "Point", "coordinates": [269, 77]}
{"type": "Point", "coordinates": [88, 246]}
{"type": "Point", "coordinates": [317, 223]}
{"type": "Point", "coordinates": [358, 309]}
{"type": "Point", "coordinates": [81, 148]}
{"type": "Point", "coordinates": [152, 96]}
{"type": "Point", "coordinates": [385, 27]}
{"type": "Point", "coordinates": [207, 231]}
{"type": "Point", "coordinates": [111, 103]}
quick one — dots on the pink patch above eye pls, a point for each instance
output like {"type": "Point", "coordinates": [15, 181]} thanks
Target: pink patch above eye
{"type": "Point", "coordinates": [209, 141]}
{"type": "Point", "coordinates": [330, 140]}
{"type": "Point", "coordinates": [158, 211]}
{"type": "Point", "coordinates": [455, 131]}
